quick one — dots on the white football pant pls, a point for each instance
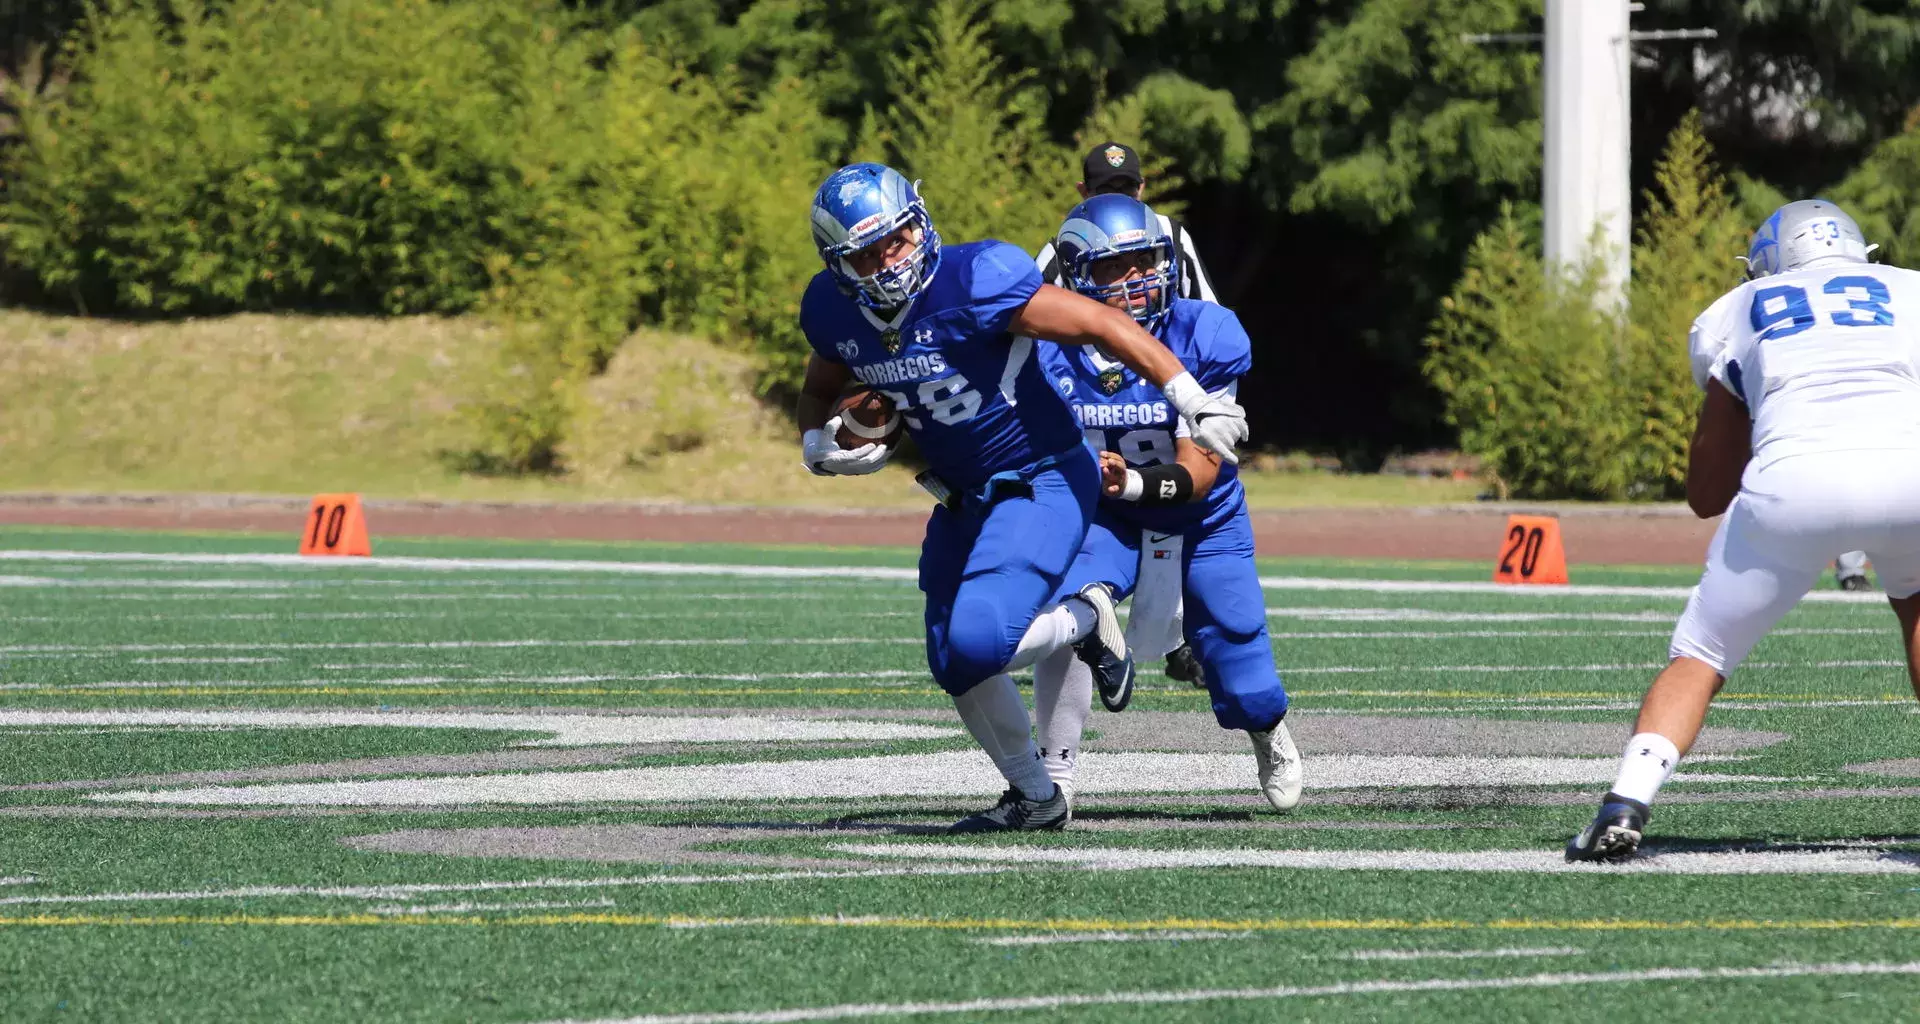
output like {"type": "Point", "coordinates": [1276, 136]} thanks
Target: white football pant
{"type": "Point", "coordinates": [1791, 518]}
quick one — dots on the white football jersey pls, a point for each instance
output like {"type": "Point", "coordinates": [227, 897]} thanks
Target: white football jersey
{"type": "Point", "coordinates": [1826, 358]}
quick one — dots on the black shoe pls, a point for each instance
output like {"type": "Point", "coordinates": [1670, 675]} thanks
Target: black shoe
{"type": "Point", "coordinates": [1855, 583]}
{"type": "Point", "coordinates": [1182, 665]}
{"type": "Point", "coordinates": [1016, 813]}
{"type": "Point", "coordinates": [1615, 832]}
{"type": "Point", "coordinates": [1105, 649]}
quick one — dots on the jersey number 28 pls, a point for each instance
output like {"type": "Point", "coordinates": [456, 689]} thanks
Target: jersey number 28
{"type": "Point", "coordinates": [948, 400]}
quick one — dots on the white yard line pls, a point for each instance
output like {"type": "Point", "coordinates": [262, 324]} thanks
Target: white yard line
{"type": "Point", "coordinates": [406, 891]}
{"type": "Point", "coordinates": [560, 730]}
{"type": "Point", "coordinates": [805, 572]}
{"type": "Point", "coordinates": [100, 650]}
{"type": "Point", "coordinates": [466, 615]}
{"type": "Point", "coordinates": [946, 773]}
{"type": "Point", "coordinates": [1842, 861]}
{"type": "Point", "coordinates": [1014, 1004]}
{"type": "Point", "coordinates": [885, 677]}
{"type": "Point", "coordinates": [105, 650]}
{"type": "Point", "coordinates": [1456, 954]}
{"type": "Point", "coordinates": [1063, 938]}
{"type": "Point", "coordinates": [1635, 666]}
{"type": "Point", "coordinates": [1313, 614]}
{"type": "Point", "coordinates": [206, 661]}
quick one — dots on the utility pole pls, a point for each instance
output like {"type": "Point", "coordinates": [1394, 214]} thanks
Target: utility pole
{"type": "Point", "coordinates": [1587, 198]}
{"type": "Point", "coordinates": [1587, 67]}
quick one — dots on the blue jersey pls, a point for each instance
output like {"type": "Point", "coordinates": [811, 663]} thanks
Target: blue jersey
{"type": "Point", "coordinates": [1122, 413]}
{"type": "Point", "coordinates": [973, 395]}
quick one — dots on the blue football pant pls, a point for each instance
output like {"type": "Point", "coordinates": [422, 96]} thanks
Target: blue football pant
{"type": "Point", "coordinates": [1225, 610]}
{"type": "Point", "coordinates": [988, 571]}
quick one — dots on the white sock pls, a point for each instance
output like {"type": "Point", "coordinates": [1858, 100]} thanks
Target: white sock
{"type": "Point", "coordinates": [997, 718]}
{"type": "Point", "coordinates": [1058, 626]}
{"type": "Point", "coordinates": [1647, 764]}
{"type": "Point", "coordinates": [1062, 696]}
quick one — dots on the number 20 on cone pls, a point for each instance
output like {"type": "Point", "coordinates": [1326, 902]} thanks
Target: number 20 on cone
{"type": "Point", "coordinates": [1531, 552]}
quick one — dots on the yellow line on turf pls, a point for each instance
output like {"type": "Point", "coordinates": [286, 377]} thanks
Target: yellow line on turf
{"type": "Point", "coordinates": [1069, 924]}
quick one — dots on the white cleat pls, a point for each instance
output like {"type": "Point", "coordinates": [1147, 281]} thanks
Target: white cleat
{"type": "Point", "coordinates": [1280, 769]}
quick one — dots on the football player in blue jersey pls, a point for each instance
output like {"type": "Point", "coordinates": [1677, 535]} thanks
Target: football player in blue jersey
{"type": "Point", "coordinates": [946, 332]}
{"type": "Point", "coordinates": [1172, 527]}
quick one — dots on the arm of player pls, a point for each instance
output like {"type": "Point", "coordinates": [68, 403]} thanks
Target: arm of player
{"type": "Point", "coordinates": [1722, 444]}
{"type": "Point", "coordinates": [1057, 315]}
{"type": "Point", "coordinates": [1188, 478]}
{"type": "Point", "coordinates": [822, 454]}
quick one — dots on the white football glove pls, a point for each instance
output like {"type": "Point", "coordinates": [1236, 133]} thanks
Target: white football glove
{"type": "Point", "coordinates": [1216, 422]}
{"type": "Point", "coordinates": [824, 456]}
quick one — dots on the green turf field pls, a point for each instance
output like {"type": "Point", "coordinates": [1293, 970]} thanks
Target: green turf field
{"type": "Point", "coordinates": [663, 783]}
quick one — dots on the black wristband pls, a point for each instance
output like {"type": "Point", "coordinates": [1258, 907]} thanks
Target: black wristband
{"type": "Point", "coordinates": [1168, 484]}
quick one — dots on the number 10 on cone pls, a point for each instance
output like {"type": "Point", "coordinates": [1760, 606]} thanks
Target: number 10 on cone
{"type": "Point", "coordinates": [335, 526]}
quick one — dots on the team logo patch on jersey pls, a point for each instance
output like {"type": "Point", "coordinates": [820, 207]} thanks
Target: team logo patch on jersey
{"type": "Point", "coordinates": [1112, 379]}
{"type": "Point", "coordinates": [891, 339]}
{"type": "Point", "coordinates": [848, 349]}
{"type": "Point", "coordinates": [1115, 156]}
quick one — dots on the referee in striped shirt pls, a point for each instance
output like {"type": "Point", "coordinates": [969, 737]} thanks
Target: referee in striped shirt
{"type": "Point", "coordinates": [1111, 167]}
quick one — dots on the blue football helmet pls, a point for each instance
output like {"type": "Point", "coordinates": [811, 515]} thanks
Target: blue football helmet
{"type": "Point", "coordinates": [860, 204]}
{"type": "Point", "coordinates": [1105, 226]}
{"type": "Point", "coordinates": [1801, 232]}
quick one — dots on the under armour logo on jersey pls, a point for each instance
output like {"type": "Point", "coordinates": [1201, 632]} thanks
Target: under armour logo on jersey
{"type": "Point", "coordinates": [923, 335]}
{"type": "Point", "coordinates": [848, 350]}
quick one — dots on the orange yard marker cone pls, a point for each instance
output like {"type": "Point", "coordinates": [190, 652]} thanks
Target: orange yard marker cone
{"type": "Point", "coordinates": [335, 526]}
{"type": "Point", "coordinates": [1531, 552]}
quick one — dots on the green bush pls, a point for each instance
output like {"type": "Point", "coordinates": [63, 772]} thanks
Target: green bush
{"type": "Point", "coordinates": [972, 128]}
{"type": "Point", "coordinates": [265, 154]}
{"type": "Point", "coordinates": [686, 209]}
{"type": "Point", "coordinates": [571, 182]}
{"type": "Point", "coordinates": [1879, 194]}
{"type": "Point", "coordinates": [1561, 397]}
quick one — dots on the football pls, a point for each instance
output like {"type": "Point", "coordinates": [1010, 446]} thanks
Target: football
{"type": "Point", "coordinates": [866, 416]}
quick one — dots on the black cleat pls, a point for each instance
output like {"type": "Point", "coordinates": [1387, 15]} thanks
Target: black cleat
{"type": "Point", "coordinates": [1016, 813]}
{"type": "Point", "coordinates": [1855, 583]}
{"type": "Point", "coordinates": [1615, 832]}
{"type": "Point", "coordinates": [1182, 665]}
{"type": "Point", "coordinates": [1105, 649]}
